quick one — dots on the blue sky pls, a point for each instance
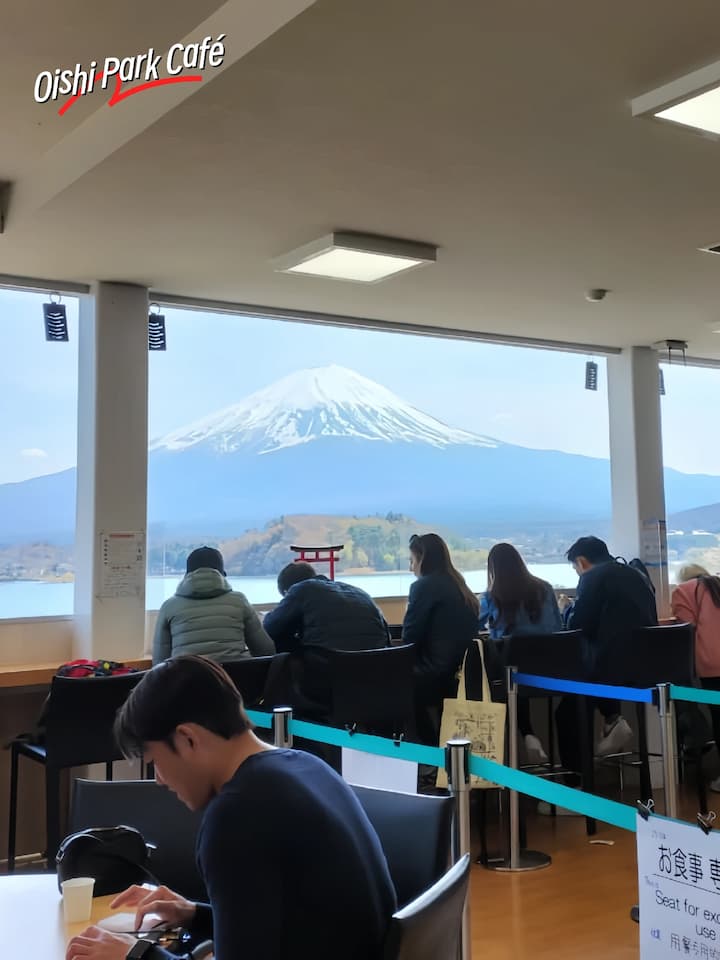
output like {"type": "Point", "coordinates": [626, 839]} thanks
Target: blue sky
{"type": "Point", "coordinates": [529, 397]}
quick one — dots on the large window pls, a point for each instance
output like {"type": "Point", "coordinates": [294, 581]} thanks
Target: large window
{"type": "Point", "coordinates": [268, 433]}
{"type": "Point", "coordinates": [38, 428]}
{"type": "Point", "coordinates": [692, 459]}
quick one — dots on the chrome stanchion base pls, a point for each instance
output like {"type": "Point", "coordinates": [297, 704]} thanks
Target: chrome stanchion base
{"type": "Point", "coordinates": [528, 860]}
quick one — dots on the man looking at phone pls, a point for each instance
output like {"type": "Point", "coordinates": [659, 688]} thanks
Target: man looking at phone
{"type": "Point", "coordinates": [292, 866]}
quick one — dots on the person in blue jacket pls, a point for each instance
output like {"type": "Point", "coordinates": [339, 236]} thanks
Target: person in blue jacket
{"type": "Point", "coordinates": [441, 621]}
{"type": "Point", "coordinates": [516, 602]}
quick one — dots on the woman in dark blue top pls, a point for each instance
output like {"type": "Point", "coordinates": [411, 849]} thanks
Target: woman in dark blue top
{"type": "Point", "coordinates": [516, 602]}
{"type": "Point", "coordinates": [441, 620]}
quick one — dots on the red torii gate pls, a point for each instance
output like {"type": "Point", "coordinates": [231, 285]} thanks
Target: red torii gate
{"type": "Point", "coordinates": [319, 555]}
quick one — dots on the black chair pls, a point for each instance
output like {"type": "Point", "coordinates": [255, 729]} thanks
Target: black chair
{"type": "Point", "coordinates": [662, 654]}
{"type": "Point", "coordinates": [373, 689]}
{"type": "Point", "coordinates": [161, 818]}
{"type": "Point", "coordinates": [563, 655]}
{"type": "Point", "coordinates": [263, 681]}
{"type": "Point", "coordinates": [79, 718]}
{"type": "Point", "coordinates": [415, 833]}
{"type": "Point", "coordinates": [429, 927]}
{"type": "Point", "coordinates": [395, 631]}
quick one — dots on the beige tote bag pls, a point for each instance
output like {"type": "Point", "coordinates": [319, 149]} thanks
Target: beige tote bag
{"type": "Point", "coordinates": [481, 721]}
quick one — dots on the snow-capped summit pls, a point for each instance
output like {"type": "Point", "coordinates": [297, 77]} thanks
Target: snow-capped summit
{"type": "Point", "coordinates": [327, 401]}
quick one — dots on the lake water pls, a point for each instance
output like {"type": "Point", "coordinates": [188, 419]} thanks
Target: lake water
{"type": "Point", "coordinates": [30, 598]}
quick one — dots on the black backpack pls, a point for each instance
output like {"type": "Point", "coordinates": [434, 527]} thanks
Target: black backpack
{"type": "Point", "coordinates": [116, 857]}
{"type": "Point", "coordinates": [637, 564]}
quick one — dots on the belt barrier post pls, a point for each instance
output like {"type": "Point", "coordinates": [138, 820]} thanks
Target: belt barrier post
{"type": "Point", "coordinates": [457, 765]}
{"type": "Point", "coordinates": [669, 747]}
{"type": "Point", "coordinates": [520, 860]}
{"type": "Point", "coordinates": [281, 726]}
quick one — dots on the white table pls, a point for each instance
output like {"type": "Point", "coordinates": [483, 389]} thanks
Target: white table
{"type": "Point", "coordinates": [31, 917]}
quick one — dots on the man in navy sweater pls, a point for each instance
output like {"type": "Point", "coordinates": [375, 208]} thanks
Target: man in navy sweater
{"type": "Point", "coordinates": [292, 866]}
{"type": "Point", "coordinates": [612, 600]}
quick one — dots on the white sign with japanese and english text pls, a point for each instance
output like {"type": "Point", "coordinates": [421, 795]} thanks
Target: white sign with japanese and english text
{"type": "Point", "coordinates": [679, 881]}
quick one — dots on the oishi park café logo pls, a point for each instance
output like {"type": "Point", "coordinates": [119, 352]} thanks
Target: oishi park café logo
{"type": "Point", "coordinates": [144, 67]}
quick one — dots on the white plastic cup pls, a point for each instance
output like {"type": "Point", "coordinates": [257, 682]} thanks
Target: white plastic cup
{"type": "Point", "coordinates": [77, 899]}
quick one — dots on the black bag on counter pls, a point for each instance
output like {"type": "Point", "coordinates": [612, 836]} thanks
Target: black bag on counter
{"type": "Point", "coordinates": [116, 857]}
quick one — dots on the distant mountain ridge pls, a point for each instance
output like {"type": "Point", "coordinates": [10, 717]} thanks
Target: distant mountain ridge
{"type": "Point", "coordinates": [706, 518]}
{"type": "Point", "coordinates": [330, 441]}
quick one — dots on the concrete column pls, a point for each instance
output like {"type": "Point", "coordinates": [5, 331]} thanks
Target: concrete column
{"type": "Point", "coordinates": [112, 465]}
{"type": "Point", "coordinates": [638, 491]}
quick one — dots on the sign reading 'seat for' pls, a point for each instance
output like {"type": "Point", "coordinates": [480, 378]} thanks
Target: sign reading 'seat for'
{"type": "Point", "coordinates": [679, 881]}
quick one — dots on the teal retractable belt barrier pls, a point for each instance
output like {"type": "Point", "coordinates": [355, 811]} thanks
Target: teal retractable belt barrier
{"type": "Point", "coordinates": [586, 804]}
{"type": "Point", "coordinates": [557, 794]}
{"type": "Point", "coordinates": [262, 720]}
{"type": "Point", "coordinates": [381, 747]}
{"type": "Point", "coordinates": [693, 695]}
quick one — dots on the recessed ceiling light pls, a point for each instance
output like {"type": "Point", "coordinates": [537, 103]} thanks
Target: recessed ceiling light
{"type": "Point", "coordinates": [692, 100]}
{"type": "Point", "coordinates": [359, 257]}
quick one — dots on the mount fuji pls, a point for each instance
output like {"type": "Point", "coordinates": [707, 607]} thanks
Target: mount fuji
{"type": "Point", "coordinates": [329, 441]}
{"type": "Point", "coordinates": [310, 405]}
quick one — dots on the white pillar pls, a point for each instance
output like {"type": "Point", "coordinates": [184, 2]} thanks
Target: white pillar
{"type": "Point", "coordinates": [112, 467]}
{"type": "Point", "coordinates": [638, 490]}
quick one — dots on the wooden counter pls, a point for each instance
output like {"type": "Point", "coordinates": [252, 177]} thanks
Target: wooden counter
{"type": "Point", "coordinates": [40, 674]}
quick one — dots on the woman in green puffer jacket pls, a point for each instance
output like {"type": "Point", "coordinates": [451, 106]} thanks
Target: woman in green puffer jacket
{"type": "Point", "coordinates": [207, 617]}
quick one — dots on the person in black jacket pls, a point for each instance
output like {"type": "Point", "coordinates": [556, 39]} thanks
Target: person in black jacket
{"type": "Point", "coordinates": [291, 863]}
{"type": "Point", "coordinates": [317, 614]}
{"type": "Point", "coordinates": [441, 620]}
{"type": "Point", "coordinates": [612, 600]}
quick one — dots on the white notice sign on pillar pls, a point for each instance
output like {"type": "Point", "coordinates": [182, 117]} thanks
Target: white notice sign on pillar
{"type": "Point", "coordinates": [679, 882]}
{"type": "Point", "coordinates": [122, 564]}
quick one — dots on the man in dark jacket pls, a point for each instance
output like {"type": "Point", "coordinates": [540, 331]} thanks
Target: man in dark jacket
{"type": "Point", "coordinates": [317, 614]}
{"type": "Point", "coordinates": [612, 600]}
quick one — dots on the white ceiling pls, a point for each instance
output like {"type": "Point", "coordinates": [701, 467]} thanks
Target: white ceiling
{"type": "Point", "coordinates": [499, 130]}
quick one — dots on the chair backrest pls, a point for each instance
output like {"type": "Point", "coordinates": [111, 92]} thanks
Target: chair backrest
{"type": "Point", "coordinates": [415, 833]}
{"type": "Point", "coordinates": [429, 927]}
{"type": "Point", "coordinates": [563, 654]}
{"type": "Point", "coordinates": [80, 718]}
{"type": "Point", "coordinates": [263, 679]}
{"type": "Point", "coordinates": [373, 688]}
{"type": "Point", "coordinates": [159, 816]}
{"type": "Point", "coordinates": [395, 631]}
{"type": "Point", "coordinates": [664, 654]}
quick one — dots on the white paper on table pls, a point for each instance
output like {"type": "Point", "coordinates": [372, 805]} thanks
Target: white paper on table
{"type": "Point", "coordinates": [386, 773]}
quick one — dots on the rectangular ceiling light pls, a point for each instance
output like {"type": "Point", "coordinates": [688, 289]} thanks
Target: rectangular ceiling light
{"type": "Point", "coordinates": [691, 101]}
{"type": "Point", "coordinates": [359, 257]}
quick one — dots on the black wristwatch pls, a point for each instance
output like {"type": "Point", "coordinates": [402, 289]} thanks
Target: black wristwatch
{"type": "Point", "coordinates": [140, 949]}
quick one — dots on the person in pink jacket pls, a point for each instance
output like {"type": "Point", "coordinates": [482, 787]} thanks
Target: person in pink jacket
{"type": "Point", "coordinates": [696, 600]}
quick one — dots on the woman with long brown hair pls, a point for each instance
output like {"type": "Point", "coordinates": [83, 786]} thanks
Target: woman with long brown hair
{"type": "Point", "coordinates": [441, 620]}
{"type": "Point", "coordinates": [516, 602]}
